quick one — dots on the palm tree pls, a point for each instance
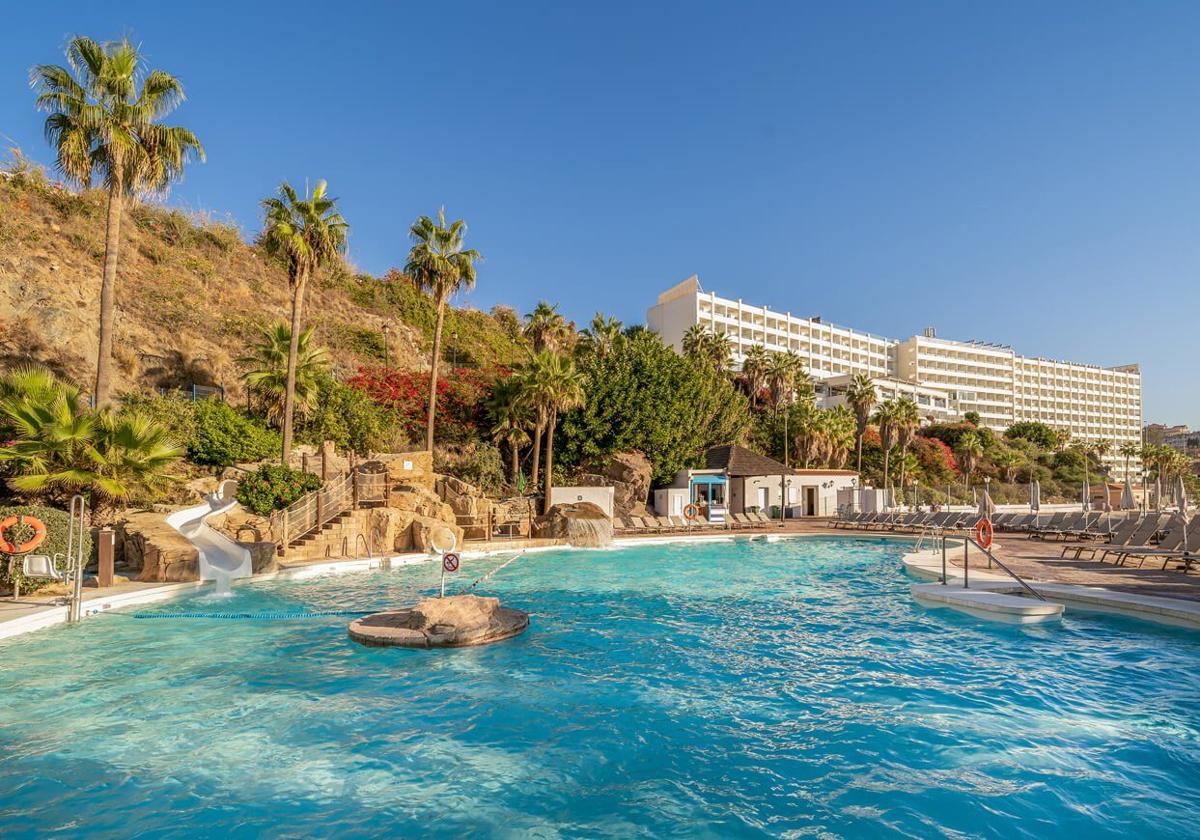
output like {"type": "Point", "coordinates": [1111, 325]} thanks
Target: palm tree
{"type": "Point", "coordinates": [602, 335]}
{"type": "Point", "coordinates": [1062, 437]}
{"type": "Point", "coordinates": [754, 369]}
{"type": "Point", "coordinates": [306, 234]}
{"type": "Point", "coordinates": [440, 264]}
{"type": "Point", "coordinates": [861, 397]}
{"type": "Point", "coordinates": [1010, 461]}
{"type": "Point", "coordinates": [969, 450]}
{"type": "Point", "coordinates": [1128, 450]}
{"type": "Point", "coordinates": [907, 420]}
{"type": "Point", "coordinates": [782, 372]}
{"type": "Point", "coordinates": [268, 361]}
{"type": "Point", "coordinates": [510, 418]}
{"type": "Point", "coordinates": [546, 328]}
{"type": "Point", "coordinates": [103, 122]}
{"type": "Point", "coordinates": [885, 419]}
{"type": "Point", "coordinates": [707, 347]}
{"type": "Point", "coordinates": [58, 447]}
{"type": "Point", "coordinates": [554, 385]}
{"type": "Point", "coordinates": [695, 341]}
{"type": "Point", "coordinates": [1101, 448]}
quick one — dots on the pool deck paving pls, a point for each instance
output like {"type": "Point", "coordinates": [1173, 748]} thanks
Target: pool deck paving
{"type": "Point", "coordinates": [1035, 560]}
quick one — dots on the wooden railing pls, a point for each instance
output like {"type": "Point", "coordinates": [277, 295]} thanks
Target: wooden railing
{"type": "Point", "coordinates": [344, 492]}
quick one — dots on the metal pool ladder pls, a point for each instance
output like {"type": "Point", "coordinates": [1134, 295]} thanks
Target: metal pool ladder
{"type": "Point", "coordinates": [968, 541]}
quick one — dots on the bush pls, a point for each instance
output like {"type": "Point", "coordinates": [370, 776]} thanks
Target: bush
{"type": "Point", "coordinates": [476, 463]}
{"type": "Point", "coordinates": [224, 436]}
{"type": "Point", "coordinates": [351, 419]}
{"type": "Point", "coordinates": [1034, 432]}
{"type": "Point", "coordinates": [57, 521]}
{"type": "Point", "coordinates": [462, 399]}
{"type": "Point", "coordinates": [172, 411]}
{"type": "Point", "coordinates": [274, 487]}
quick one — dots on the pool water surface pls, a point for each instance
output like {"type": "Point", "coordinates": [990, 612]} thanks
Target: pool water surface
{"type": "Point", "coordinates": [738, 688]}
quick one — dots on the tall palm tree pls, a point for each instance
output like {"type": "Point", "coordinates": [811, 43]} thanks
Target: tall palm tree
{"type": "Point", "coordinates": [1062, 437]}
{"type": "Point", "coordinates": [103, 119]}
{"type": "Point", "coordinates": [969, 450]}
{"type": "Point", "coordinates": [1128, 450]}
{"type": "Point", "coordinates": [861, 397]}
{"type": "Point", "coordinates": [695, 341]}
{"type": "Point", "coordinates": [885, 418]}
{"type": "Point", "coordinates": [754, 369]}
{"type": "Point", "coordinates": [268, 368]}
{"type": "Point", "coordinates": [907, 420]}
{"type": "Point", "coordinates": [306, 234]}
{"type": "Point", "coordinates": [440, 264]}
{"type": "Point", "coordinates": [1101, 448]}
{"type": "Point", "coordinates": [511, 417]}
{"type": "Point", "coordinates": [546, 328]}
{"type": "Point", "coordinates": [602, 335]}
{"type": "Point", "coordinates": [554, 385]}
{"type": "Point", "coordinates": [781, 374]}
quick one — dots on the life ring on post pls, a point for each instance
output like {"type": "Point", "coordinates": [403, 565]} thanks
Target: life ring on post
{"type": "Point", "coordinates": [690, 512]}
{"type": "Point", "coordinates": [984, 532]}
{"type": "Point", "coordinates": [10, 547]}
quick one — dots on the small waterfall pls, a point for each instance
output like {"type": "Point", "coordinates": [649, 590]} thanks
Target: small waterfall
{"type": "Point", "coordinates": [222, 586]}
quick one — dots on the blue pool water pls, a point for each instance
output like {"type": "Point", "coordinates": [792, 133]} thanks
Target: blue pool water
{"type": "Point", "coordinates": [744, 688]}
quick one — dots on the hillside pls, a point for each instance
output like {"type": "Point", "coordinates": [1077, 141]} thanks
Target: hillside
{"type": "Point", "coordinates": [192, 294]}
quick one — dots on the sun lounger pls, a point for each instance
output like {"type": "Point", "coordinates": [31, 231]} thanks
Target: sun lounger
{"type": "Point", "coordinates": [1055, 522]}
{"type": "Point", "coordinates": [1171, 540]}
{"type": "Point", "coordinates": [1119, 537]}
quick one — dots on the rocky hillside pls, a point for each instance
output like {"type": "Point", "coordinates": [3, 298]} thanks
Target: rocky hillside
{"type": "Point", "coordinates": [192, 294]}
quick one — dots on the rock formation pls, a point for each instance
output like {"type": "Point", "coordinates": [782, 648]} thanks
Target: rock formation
{"type": "Point", "coordinates": [457, 621]}
{"type": "Point", "coordinates": [582, 524]}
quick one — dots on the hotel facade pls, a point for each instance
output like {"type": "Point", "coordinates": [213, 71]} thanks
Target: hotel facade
{"type": "Point", "coordinates": [945, 378]}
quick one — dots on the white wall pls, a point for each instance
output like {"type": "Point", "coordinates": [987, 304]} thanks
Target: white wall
{"type": "Point", "coordinates": [602, 497]}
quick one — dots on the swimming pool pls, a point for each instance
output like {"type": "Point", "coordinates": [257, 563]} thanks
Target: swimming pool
{"type": "Point", "coordinates": [741, 688]}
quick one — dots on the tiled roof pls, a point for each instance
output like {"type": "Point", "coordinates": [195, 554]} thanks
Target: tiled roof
{"type": "Point", "coordinates": [740, 461]}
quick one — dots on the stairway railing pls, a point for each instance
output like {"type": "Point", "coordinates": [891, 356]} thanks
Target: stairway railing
{"type": "Point", "coordinates": [344, 492]}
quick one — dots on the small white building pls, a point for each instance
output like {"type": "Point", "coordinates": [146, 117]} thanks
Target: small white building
{"type": "Point", "coordinates": [737, 480]}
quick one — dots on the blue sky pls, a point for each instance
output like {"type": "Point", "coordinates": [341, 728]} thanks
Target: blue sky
{"type": "Point", "coordinates": [1024, 173]}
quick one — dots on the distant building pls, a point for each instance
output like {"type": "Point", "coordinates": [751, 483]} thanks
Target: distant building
{"type": "Point", "coordinates": [735, 480]}
{"type": "Point", "coordinates": [1093, 403]}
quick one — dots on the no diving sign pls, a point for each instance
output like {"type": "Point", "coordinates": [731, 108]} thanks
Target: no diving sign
{"type": "Point", "coordinates": [450, 561]}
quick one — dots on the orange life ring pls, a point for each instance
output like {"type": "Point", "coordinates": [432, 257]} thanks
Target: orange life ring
{"type": "Point", "coordinates": [984, 532]}
{"type": "Point", "coordinates": [39, 534]}
{"type": "Point", "coordinates": [690, 511]}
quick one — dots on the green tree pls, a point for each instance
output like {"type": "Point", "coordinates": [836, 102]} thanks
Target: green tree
{"type": "Point", "coordinates": [440, 264]}
{"type": "Point", "coordinates": [907, 420]}
{"type": "Point", "coordinates": [1033, 431]}
{"type": "Point", "coordinates": [645, 397]}
{"type": "Point", "coordinates": [885, 418]}
{"type": "Point", "coordinates": [104, 110]}
{"type": "Point", "coordinates": [1129, 450]}
{"type": "Point", "coordinates": [546, 328]}
{"type": "Point", "coordinates": [269, 363]}
{"type": "Point", "coordinates": [968, 451]}
{"type": "Point", "coordinates": [602, 335]}
{"type": "Point", "coordinates": [754, 372]}
{"type": "Point", "coordinates": [554, 385]}
{"type": "Point", "coordinates": [306, 234]}
{"type": "Point", "coordinates": [861, 397]}
{"type": "Point", "coordinates": [707, 347]}
{"type": "Point", "coordinates": [511, 417]}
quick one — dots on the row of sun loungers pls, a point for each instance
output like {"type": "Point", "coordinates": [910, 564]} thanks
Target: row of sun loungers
{"type": "Point", "coordinates": [629, 525]}
{"type": "Point", "coordinates": [1124, 538]}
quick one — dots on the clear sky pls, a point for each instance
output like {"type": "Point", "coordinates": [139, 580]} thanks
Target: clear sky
{"type": "Point", "coordinates": [1024, 173]}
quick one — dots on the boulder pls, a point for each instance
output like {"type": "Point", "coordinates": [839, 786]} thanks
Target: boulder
{"type": "Point", "coordinates": [157, 550]}
{"type": "Point", "coordinates": [426, 531]}
{"type": "Point", "coordinates": [630, 475]}
{"type": "Point", "coordinates": [472, 509]}
{"type": "Point", "coordinates": [581, 524]}
{"type": "Point", "coordinates": [264, 556]}
{"type": "Point", "coordinates": [457, 621]}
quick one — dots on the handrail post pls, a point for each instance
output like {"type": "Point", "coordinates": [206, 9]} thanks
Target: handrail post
{"type": "Point", "coordinates": [285, 530]}
{"type": "Point", "coordinates": [943, 559]}
{"type": "Point", "coordinates": [966, 561]}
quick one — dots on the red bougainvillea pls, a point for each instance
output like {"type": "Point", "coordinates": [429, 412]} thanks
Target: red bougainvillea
{"type": "Point", "coordinates": [462, 398]}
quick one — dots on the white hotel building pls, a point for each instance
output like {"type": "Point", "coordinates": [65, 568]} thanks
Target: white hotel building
{"type": "Point", "coordinates": [945, 378]}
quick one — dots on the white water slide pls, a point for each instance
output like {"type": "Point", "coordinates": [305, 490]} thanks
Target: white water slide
{"type": "Point", "coordinates": [221, 559]}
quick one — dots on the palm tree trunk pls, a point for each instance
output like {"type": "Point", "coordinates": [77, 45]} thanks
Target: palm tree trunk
{"type": "Point", "coordinates": [886, 453]}
{"type": "Point", "coordinates": [108, 290]}
{"type": "Point", "coordinates": [537, 453]}
{"type": "Point", "coordinates": [548, 476]}
{"type": "Point", "coordinates": [903, 457]}
{"type": "Point", "coordinates": [289, 390]}
{"type": "Point", "coordinates": [516, 463]}
{"type": "Point", "coordinates": [860, 441]}
{"type": "Point", "coordinates": [433, 371]}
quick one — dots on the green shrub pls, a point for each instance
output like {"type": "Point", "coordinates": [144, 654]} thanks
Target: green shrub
{"type": "Point", "coordinates": [475, 463]}
{"type": "Point", "coordinates": [57, 522]}
{"type": "Point", "coordinates": [274, 487]}
{"type": "Point", "coordinates": [224, 436]}
{"type": "Point", "coordinates": [171, 411]}
{"type": "Point", "coordinates": [351, 419]}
